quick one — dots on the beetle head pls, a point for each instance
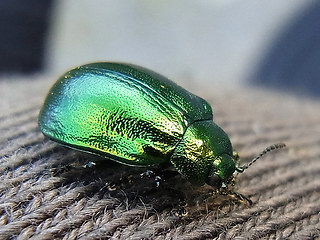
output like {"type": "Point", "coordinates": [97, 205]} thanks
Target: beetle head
{"type": "Point", "coordinates": [223, 169]}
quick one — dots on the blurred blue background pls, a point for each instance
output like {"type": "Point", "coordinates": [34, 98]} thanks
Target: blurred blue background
{"type": "Point", "coordinates": [268, 43]}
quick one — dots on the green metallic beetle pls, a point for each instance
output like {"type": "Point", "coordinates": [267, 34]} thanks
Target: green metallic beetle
{"type": "Point", "coordinates": [137, 117]}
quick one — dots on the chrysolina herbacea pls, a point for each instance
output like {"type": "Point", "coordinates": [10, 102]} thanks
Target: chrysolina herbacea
{"type": "Point", "coordinates": [137, 117]}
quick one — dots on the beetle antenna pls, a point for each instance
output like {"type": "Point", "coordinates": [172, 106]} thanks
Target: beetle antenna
{"type": "Point", "coordinates": [264, 152]}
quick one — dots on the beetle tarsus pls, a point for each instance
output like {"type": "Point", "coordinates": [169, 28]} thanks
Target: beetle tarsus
{"type": "Point", "coordinates": [239, 196]}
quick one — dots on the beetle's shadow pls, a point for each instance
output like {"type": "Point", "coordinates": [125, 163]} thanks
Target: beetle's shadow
{"type": "Point", "coordinates": [163, 188]}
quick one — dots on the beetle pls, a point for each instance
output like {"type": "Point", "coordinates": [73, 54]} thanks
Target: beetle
{"type": "Point", "coordinates": [137, 117]}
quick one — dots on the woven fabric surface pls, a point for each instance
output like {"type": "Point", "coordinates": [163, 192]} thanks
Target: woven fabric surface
{"type": "Point", "coordinates": [46, 193]}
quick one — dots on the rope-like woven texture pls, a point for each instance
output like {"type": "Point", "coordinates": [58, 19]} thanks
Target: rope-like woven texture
{"type": "Point", "coordinates": [47, 194]}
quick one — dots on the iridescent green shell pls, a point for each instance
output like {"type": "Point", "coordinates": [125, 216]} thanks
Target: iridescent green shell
{"type": "Point", "coordinates": [137, 117]}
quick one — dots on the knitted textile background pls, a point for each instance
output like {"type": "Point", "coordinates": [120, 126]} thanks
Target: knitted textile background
{"type": "Point", "coordinates": [46, 193]}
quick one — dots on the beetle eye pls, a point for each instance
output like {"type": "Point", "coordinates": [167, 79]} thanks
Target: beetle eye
{"type": "Point", "coordinates": [214, 181]}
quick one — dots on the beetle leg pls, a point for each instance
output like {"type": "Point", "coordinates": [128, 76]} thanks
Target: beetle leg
{"type": "Point", "coordinates": [239, 196]}
{"type": "Point", "coordinates": [151, 174]}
